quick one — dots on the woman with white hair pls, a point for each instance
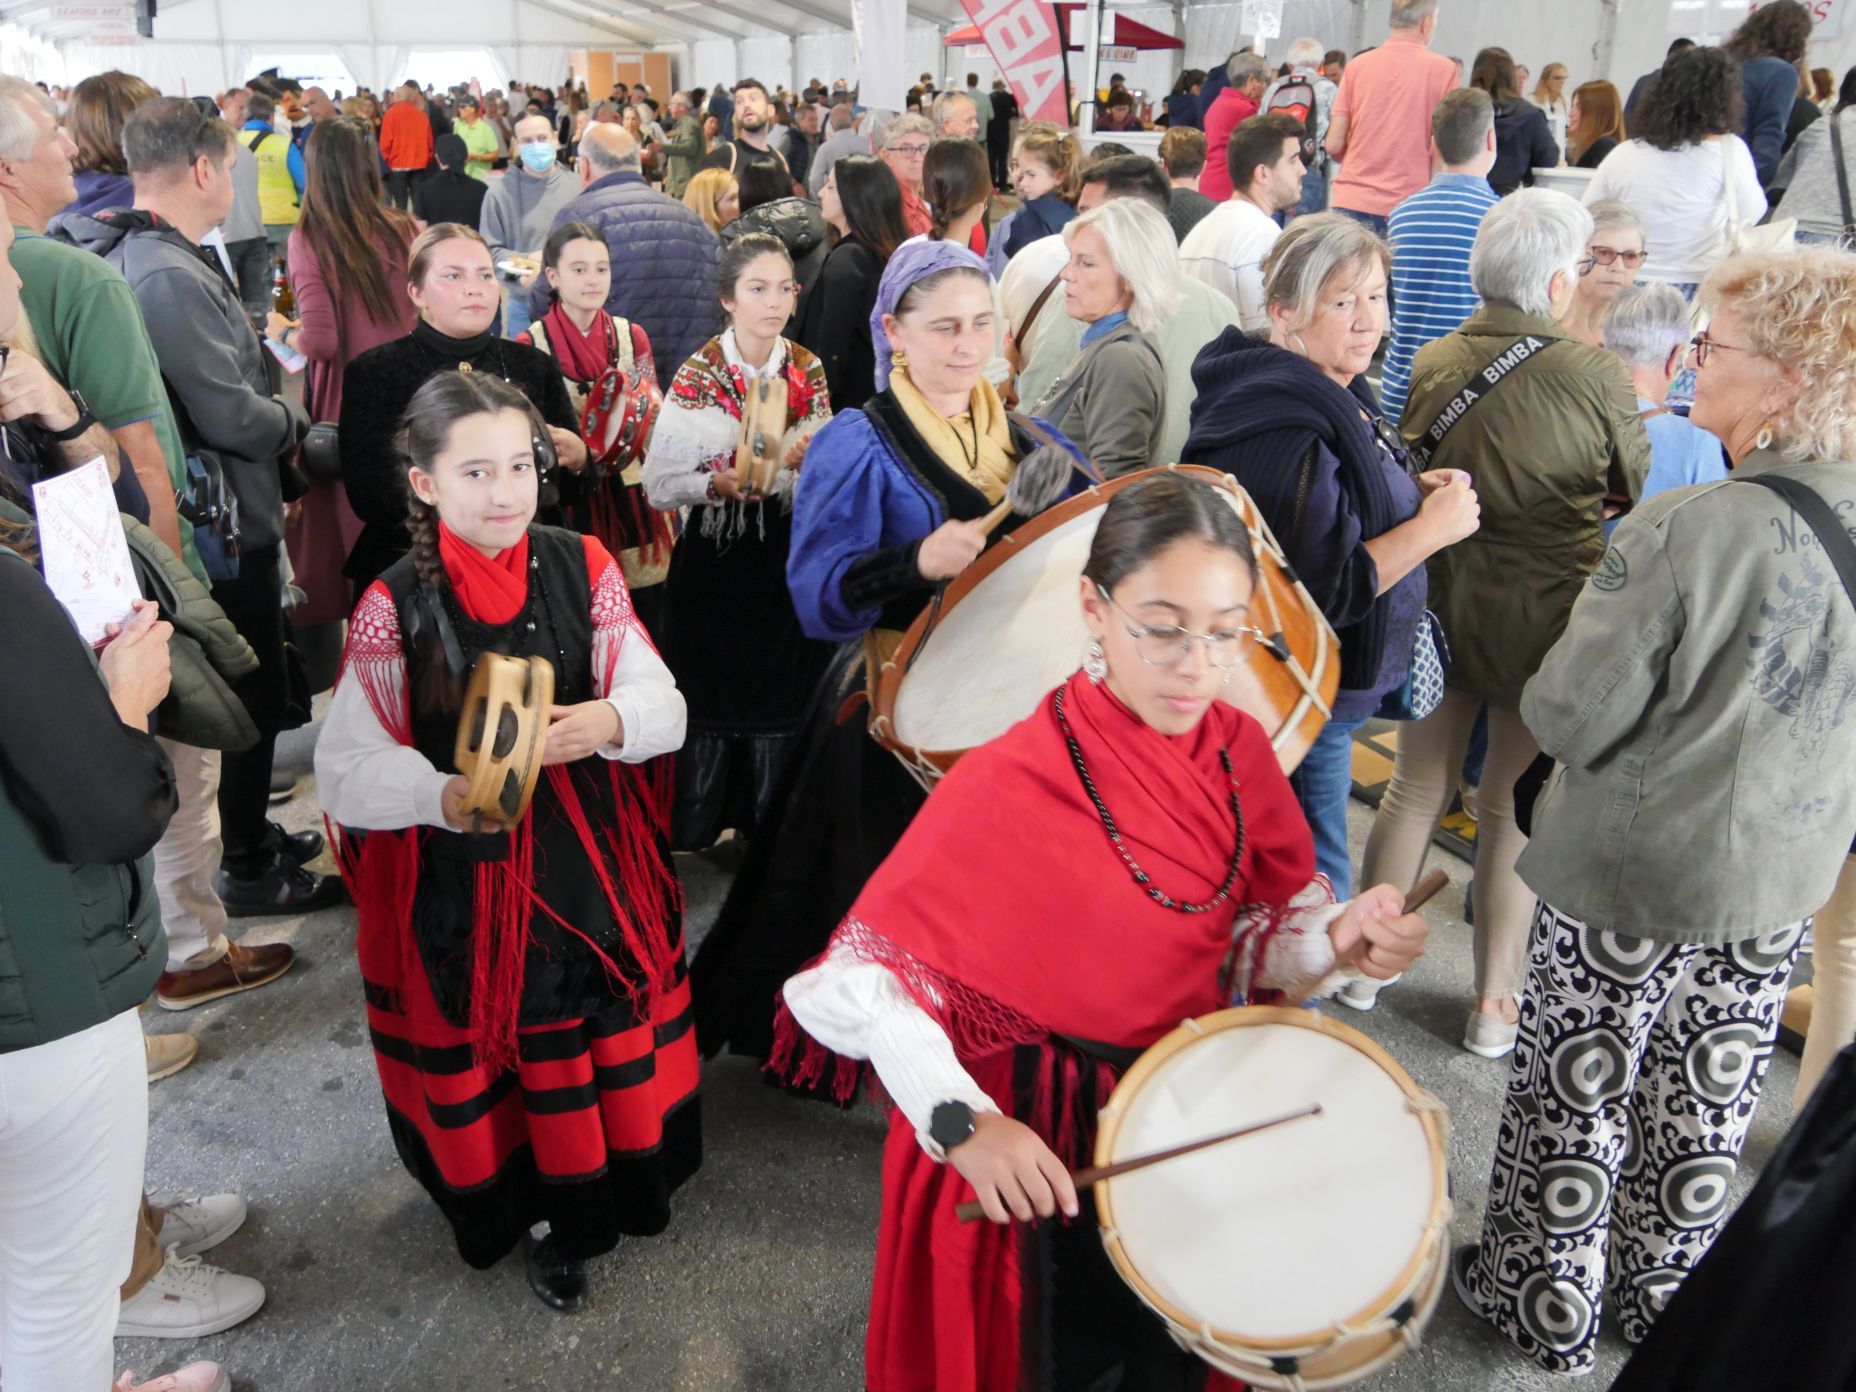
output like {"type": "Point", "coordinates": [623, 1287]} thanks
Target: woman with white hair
{"type": "Point", "coordinates": [1648, 328]}
{"type": "Point", "coordinates": [1548, 428]}
{"type": "Point", "coordinates": [1697, 706]}
{"type": "Point", "coordinates": [1292, 418]}
{"type": "Point", "coordinates": [1121, 281]}
{"type": "Point", "coordinates": [1613, 257]}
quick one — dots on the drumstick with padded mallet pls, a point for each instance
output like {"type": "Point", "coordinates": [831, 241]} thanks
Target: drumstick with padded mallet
{"type": "Point", "coordinates": [1035, 484]}
{"type": "Point", "coordinates": [972, 1210]}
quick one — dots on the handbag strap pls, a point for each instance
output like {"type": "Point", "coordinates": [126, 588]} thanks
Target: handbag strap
{"type": "Point", "coordinates": [1843, 174]}
{"type": "Point", "coordinates": [1727, 188]}
{"type": "Point", "coordinates": [1482, 384]}
{"type": "Point", "coordinates": [1816, 514]}
{"type": "Point", "coordinates": [1031, 317]}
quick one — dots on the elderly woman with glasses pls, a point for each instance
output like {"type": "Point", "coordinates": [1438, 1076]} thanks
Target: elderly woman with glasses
{"type": "Point", "coordinates": [1292, 418]}
{"type": "Point", "coordinates": [905, 150]}
{"type": "Point", "coordinates": [1121, 281]}
{"type": "Point", "coordinates": [1613, 257]}
{"type": "Point", "coordinates": [1548, 429]}
{"type": "Point", "coordinates": [1698, 708]}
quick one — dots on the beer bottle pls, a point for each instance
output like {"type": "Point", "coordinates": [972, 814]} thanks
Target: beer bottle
{"type": "Point", "coordinates": [282, 300]}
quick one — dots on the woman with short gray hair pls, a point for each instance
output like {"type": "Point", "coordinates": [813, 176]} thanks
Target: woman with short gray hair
{"type": "Point", "coordinates": [1648, 328]}
{"type": "Point", "coordinates": [1121, 281]}
{"type": "Point", "coordinates": [1615, 252]}
{"type": "Point", "coordinates": [1548, 428]}
{"type": "Point", "coordinates": [1293, 419]}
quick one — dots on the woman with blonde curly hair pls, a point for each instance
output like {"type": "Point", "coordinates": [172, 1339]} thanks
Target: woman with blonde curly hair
{"type": "Point", "coordinates": [1698, 710]}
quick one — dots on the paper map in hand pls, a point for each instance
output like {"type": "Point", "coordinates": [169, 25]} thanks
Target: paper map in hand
{"type": "Point", "coordinates": [85, 554]}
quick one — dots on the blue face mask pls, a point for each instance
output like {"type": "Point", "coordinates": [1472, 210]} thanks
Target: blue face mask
{"type": "Point", "coordinates": [539, 158]}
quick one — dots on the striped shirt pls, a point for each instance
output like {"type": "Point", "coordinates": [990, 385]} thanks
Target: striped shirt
{"type": "Point", "coordinates": [1431, 233]}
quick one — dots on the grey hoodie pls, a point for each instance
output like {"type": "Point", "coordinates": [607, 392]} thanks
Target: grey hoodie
{"type": "Point", "coordinates": [211, 360]}
{"type": "Point", "coordinates": [520, 208]}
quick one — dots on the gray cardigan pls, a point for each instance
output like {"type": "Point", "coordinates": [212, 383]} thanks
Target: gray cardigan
{"type": "Point", "coordinates": [1809, 176]}
{"type": "Point", "coordinates": [1702, 703]}
{"type": "Point", "coordinates": [1111, 401]}
{"type": "Point", "coordinates": [520, 208]}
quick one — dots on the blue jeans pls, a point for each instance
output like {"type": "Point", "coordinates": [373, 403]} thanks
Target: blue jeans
{"type": "Point", "coordinates": [1314, 192]}
{"type": "Point", "coordinates": [1322, 784]}
{"type": "Point", "coordinates": [1372, 220]}
{"type": "Point", "coordinates": [515, 312]}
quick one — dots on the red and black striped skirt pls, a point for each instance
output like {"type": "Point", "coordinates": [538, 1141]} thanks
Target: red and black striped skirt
{"type": "Point", "coordinates": [594, 1128]}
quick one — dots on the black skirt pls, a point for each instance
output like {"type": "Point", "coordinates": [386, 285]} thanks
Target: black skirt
{"type": "Point", "coordinates": [731, 637]}
{"type": "Point", "coordinates": [838, 808]}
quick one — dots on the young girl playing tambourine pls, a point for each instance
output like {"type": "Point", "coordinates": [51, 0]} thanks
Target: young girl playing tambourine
{"type": "Point", "coordinates": [525, 984]}
{"type": "Point", "coordinates": [611, 376]}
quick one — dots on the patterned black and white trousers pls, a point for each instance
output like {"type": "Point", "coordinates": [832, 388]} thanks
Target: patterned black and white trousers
{"type": "Point", "coordinates": [1632, 1086]}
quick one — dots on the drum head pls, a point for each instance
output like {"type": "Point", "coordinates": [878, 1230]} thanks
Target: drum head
{"type": "Point", "coordinates": [1010, 629]}
{"type": "Point", "coordinates": [1276, 1238]}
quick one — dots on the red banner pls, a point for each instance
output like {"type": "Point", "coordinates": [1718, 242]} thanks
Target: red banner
{"type": "Point", "coordinates": [1023, 38]}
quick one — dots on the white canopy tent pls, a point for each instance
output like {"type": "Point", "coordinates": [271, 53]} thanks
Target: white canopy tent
{"type": "Point", "coordinates": [207, 45]}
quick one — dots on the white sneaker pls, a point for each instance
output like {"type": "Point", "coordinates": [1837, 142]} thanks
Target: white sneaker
{"type": "Point", "coordinates": [195, 1377]}
{"type": "Point", "coordinates": [193, 1226]}
{"type": "Point", "coordinates": [1364, 993]}
{"type": "Point", "coordinates": [1489, 1037]}
{"type": "Point", "coordinates": [187, 1299]}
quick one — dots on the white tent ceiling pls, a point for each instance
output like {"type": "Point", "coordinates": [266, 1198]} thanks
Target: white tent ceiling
{"type": "Point", "coordinates": [205, 45]}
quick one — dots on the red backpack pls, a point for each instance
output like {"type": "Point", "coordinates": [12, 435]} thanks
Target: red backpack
{"type": "Point", "coordinates": [1295, 96]}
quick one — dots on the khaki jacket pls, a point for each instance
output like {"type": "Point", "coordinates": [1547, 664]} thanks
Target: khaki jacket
{"type": "Point", "coordinates": [1703, 705]}
{"type": "Point", "coordinates": [1544, 447]}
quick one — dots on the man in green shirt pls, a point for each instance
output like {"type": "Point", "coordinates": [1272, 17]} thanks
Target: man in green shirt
{"type": "Point", "coordinates": [84, 318]}
{"type": "Point", "coordinates": [479, 137]}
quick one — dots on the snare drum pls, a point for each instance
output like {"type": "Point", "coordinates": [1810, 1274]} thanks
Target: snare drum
{"type": "Point", "coordinates": [1306, 1257]}
{"type": "Point", "coordinates": [1010, 628]}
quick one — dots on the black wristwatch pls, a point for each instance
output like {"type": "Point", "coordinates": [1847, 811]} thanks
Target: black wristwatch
{"type": "Point", "coordinates": [950, 1124]}
{"type": "Point", "coordinates": [83, 422]}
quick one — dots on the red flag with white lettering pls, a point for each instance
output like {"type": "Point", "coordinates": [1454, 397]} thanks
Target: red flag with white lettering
{"type": "Point", "coordinates": [1025, 43]}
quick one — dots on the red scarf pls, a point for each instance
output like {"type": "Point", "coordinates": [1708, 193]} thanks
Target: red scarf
{"type": "Point", "coordinates": [490, 589]}
{"type": "Point", "coordinates": [1009, 916]}
{"type": "Point", "coordinates": [582, 356]}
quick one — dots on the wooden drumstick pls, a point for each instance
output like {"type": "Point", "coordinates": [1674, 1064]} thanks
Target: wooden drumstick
{"type": "Point", "coordinates": [971, 1210]}
{"type": "Point", "coordinates": [1421, 894]}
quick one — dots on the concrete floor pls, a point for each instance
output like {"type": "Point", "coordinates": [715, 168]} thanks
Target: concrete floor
{"type": "Point", "coordinates": [762, 1280]}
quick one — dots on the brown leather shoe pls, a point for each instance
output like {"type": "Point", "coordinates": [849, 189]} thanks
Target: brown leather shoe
{"type": "Point", "coordinates": [241, 969]}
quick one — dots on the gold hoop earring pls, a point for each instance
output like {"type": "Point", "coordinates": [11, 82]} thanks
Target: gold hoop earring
{"type": "Point", "coordinates": [1763, 440]}
{"type": "Point", "coordinates": [899, 359]}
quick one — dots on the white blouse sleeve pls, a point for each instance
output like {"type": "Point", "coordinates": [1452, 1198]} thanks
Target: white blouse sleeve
{"type": "Point", "coordinates": [365, 778]}
{"type": "Point", "coordinates": [630, 676]}
{"type": "Point", "coordinates": [1298, 953]}
{"type": "Point", "coordinates": [859, 1009]}
{"type": "Point", "coordinates": [686, 442]}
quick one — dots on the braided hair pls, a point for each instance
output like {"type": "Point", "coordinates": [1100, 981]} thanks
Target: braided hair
{"type": "Point", "coordinates": [955, 180]}
{"type": "Point", "coordinates": [444, 400]}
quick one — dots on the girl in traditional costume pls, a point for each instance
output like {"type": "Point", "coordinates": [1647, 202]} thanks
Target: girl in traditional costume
{"type": "Point", "coordinates": [1127, 857]}
{"type": "Point", "coordinates": [611, 378]}
{"type": "Point", "coordinates": [887, 512]}
{"type": "Point", "coordinates": [525, 984]}
{"type": "Point", "coordinates": [730, 631]}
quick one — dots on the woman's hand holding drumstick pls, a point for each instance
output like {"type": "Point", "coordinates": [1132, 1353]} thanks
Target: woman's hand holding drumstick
{"type": "Point", "coordinates": [1013, 1173]}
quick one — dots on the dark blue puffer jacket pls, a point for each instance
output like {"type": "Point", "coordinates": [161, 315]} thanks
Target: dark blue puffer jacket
{"type": "Point", "coordinates": [664, 266]}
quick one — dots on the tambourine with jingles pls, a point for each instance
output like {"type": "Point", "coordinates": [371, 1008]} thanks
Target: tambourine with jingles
{"type": "Point", "coordinates": [501, 733]}
{"type": "Point", "coordinates": [620, 412]}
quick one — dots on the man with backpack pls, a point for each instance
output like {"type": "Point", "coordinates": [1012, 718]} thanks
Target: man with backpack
{"type": "Point", "coordinates": [1308, 97]}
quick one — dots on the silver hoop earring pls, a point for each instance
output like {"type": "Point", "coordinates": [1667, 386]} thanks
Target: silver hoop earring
{"type": "Point", "coordinates": [1095, 662]}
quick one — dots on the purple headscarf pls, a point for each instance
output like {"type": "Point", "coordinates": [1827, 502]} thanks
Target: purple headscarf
{"type": "Point", "coordinates": [908, 265]}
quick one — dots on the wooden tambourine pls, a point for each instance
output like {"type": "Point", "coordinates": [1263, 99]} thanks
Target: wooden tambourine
{"type": "Point", "coordinates": [763, 436]}
{"type": "Point", "coordinates": [501, 732]}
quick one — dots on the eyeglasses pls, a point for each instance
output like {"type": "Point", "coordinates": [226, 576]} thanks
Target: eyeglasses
{"type": "Point", "coordinates": [1165, 645]}
{"type": "Point", "coordinates": [912, 151]}
{"type": "Point", "coordinates": [1604, 256]}
{"type": "Point", "coordinates": [1705, 346]}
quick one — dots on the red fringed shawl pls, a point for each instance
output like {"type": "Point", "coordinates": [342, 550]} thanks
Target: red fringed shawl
{"type": "Point", "coordinates": [1010, 917]}
{"type": "Point", "coordinates": [382, 871]}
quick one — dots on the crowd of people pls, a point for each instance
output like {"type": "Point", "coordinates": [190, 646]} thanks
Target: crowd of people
{"type": "Point", "coordinates": [702, 401]}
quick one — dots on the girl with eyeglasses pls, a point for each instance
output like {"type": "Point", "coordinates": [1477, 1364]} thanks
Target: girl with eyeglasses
{"type": "Point", "coordinates": [1612, 260]}
{"type": "Point", "coordinates": [1104, 846]}
{"type": "Point", "coordinates": [730, 631]}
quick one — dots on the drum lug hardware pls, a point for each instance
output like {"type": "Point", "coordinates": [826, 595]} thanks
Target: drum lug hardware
{"type": "Point", "coordinates": [1192, 1025]}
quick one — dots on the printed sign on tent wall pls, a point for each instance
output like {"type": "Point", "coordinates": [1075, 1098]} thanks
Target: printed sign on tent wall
{"type": "Point", "coordinates": [103, 21]}
{"type": "Point", "coordinates": [1022, 36]}
{"type": "Point", "coordinates": [1262, 19]}
{"type": "Point", "coordinates": [1826, 18]}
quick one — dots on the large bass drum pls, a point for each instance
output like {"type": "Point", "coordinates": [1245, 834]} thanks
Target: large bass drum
{"type": "Point", "coordinates": [1010, 628]}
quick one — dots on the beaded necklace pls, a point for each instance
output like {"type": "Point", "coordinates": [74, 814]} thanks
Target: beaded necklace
{"type": "Point", "coordinates": [1141, 877]}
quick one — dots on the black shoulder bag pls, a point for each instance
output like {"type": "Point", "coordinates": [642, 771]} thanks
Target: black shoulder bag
{"type": "Point", "coordinates": [1486, 380]}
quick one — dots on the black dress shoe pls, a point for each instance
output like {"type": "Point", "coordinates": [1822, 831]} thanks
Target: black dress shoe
{"type": "Point", "coordinates": [300, 846]}
{"type": "Point", "coordinates": [282, 887]}
{"type": "Point", "coordinates": [560, 1280]}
